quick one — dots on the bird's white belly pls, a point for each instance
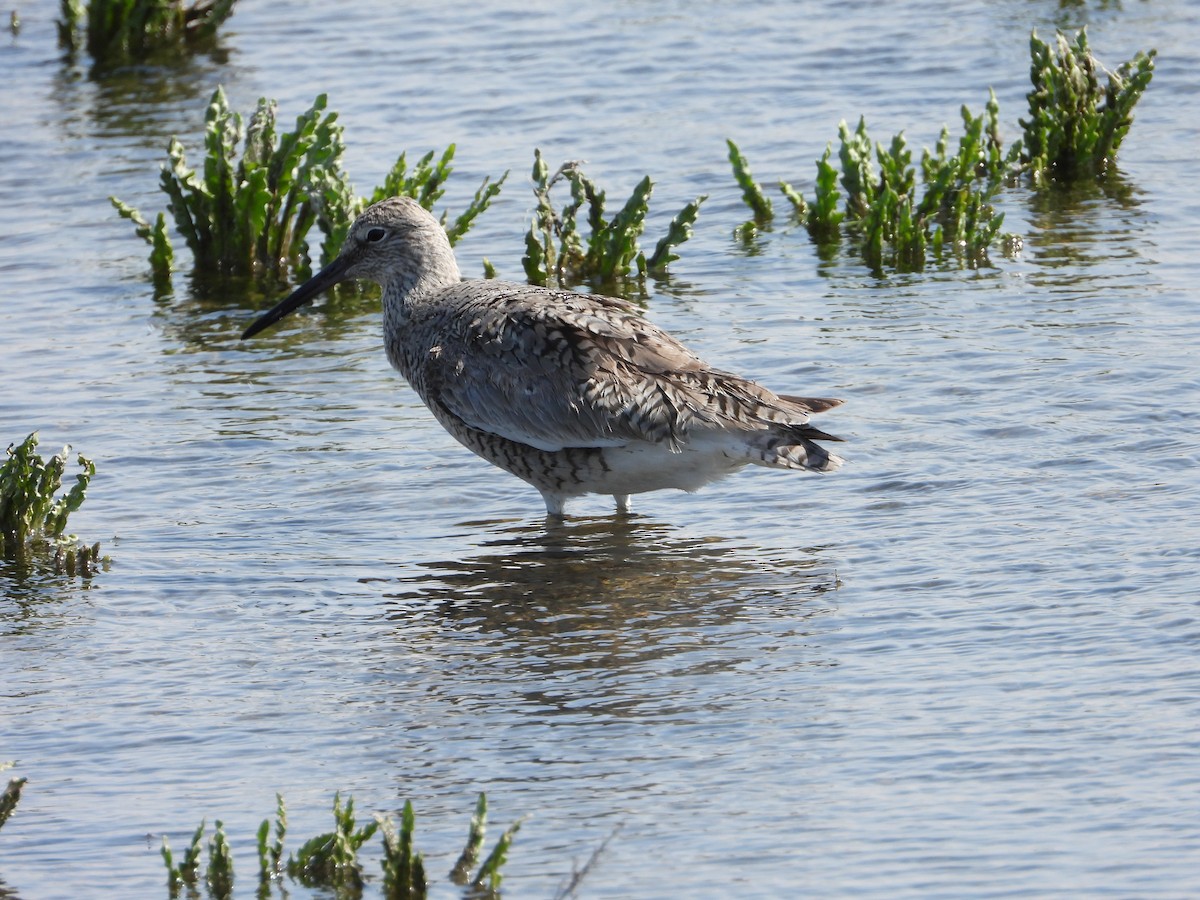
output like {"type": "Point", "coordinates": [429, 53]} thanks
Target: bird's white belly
{"type": "Point", "coordinates": [637, 468]}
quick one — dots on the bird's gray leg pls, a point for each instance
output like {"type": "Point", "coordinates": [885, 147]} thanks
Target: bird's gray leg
{"type": "Point", "coordinates": [622, 502]}
{"type": "Point", "coordinates": [554, 504]}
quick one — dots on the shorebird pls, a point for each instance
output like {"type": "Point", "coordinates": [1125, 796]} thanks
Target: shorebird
{"type": "Point", "coordinates": [573, 393]}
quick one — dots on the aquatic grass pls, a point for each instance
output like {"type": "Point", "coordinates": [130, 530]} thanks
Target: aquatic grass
{"type": "Point", "coordinates": [403, 868]}
{"type": "Point", "coordinates": [270, 854]}
{"type": "Point", "coordinates": [11, 796]}
{"type": "Point", "coordinates": [126, 31]}
{"type": "Point", "coordinates": [1074, 129]}
{"type": "Point", "coordinates": [752, 192]}
{"type": "Point", "coordinates": [558, 252]}
{"type": "Point", "coordinates": [187, 872]}
{"type": "Point", "coordinates": [249, 215]}
{"type": "Point", "coordinates": [331, 861]}
{"type": "Point", "coordinates": [32, 517]}
{"type": "Point", "coordinates": [1077, 122]}
{"type": "Point", "coordinates": [461, 872]}
{"type": "Point", "coordinates": [896, 220]}
{"type": "Point", "coordinates": [248, 209]}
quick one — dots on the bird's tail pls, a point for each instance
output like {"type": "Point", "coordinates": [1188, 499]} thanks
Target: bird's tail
{"type": "Point", "coordinates": [794, 446]}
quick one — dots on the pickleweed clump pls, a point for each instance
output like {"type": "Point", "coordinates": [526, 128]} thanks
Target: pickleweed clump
{"type": "Point", "coordinates": [249, 208]}
{"type": "Point", "coordinates": [120, 32]}
{"type": "Point", "coordinates": [581, 243]}
{"type": "Point", "coordinates": [461, 873]}
{"type": "Point", "coordinates": [33, 519]}
{"type": "Point", "coordinates": [901, 218]}
{"type": "Point", "coordinates": [249, 213]}
{"type": "Point", "coordinates": [900, 222]}
{"type": "Point", "coordinates": [270, 853]}
{"type": "Point", "coordinates": [753, 194]}
{"type": "Point", "coordinates": [403, 868]}
{"type": "Point", "coordinates": [11, 795]}
{"type": "Point", "coordinates": [424, 181]}
{"type": "Point", "coordinates": [187, 872]}
{"type": "Point", "coordinates": [332, 861]}
{"type": "Point", "coordinates": [1077, 118]}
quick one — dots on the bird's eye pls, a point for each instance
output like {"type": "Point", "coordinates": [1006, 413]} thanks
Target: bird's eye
{"type": "Point", "coordinates": [375, 235]}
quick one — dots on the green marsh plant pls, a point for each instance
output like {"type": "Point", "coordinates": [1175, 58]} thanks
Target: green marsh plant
{"type": "Point", "coordinates": [331, 861]}
{"type": "Point", "coordinates": [11, 795]}
{"type": "Point", "coordinates": [403, 868]}
{"type": "Point", "coordinates": [270, 852]}
{"type": "Point", "coordinates": [581, 243]}
{"type": "Point", "coordinates": [426, 183]}
{"type": "Point", "coordinates": [461, 872]}
{"type": "Point", "coordinates": [249, 215]}
{"type": "Point", "coordinates": [753, 194]}
{"type": "Point", "coordinates": [249, 208]}
{"type": "Point", "coordinates": [128, 31]}
{"type": "Point", "coordinates": [1077, 121]}
{"type": "Point", "coordinates": [486, 881]}
{"type": "Point", "coordinates": [873, 197]}
{"type": "Point", "coordinates": [897, 220]}
{"type": "Point", "coordinates": [32, 517]}
{"type": "Point", "coordinates": [187, 873]}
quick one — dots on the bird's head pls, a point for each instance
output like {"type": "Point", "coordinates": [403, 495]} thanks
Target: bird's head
{"type": "Point", "coordinates": [396, 243]}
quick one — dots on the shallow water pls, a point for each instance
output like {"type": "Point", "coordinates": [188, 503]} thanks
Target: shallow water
{"type": "Point", "coordinates": [964, 665]}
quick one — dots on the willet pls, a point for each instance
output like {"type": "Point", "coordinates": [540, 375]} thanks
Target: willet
{"type": "Point", "coordinates": [574, 393]}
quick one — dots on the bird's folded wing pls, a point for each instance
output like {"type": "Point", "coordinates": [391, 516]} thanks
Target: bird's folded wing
{"type": "Point", "coordinates": [587, 371]}
{"type": "Point", "coordinates": [578, 373]}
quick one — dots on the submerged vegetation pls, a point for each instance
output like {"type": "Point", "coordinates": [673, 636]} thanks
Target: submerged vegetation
{"type": "Point", "coordinates": [1076, 123]}
{"type": "Point", "coordinates": [560, 252]}
{"type": "Point", "coordinates": [127, 31]}
{"type": "Point", "coordinates": [32, 518]}
{"type": "Point", "coordinates": [11, 795]}
{"type": "Point", "coordinates": [896, 223]}
{"type": "Point", "coordinates": [331, 861]}
{"type": "Point", "coordinates": [250, 215]}
{"type": "Point", "coordinates": [1074, 129]}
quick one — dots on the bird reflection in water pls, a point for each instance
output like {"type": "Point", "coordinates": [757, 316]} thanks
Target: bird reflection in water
{"type": "Point", "coordinates": [610, 574]}
{"type": "Point", "coordinates": [600, 620]}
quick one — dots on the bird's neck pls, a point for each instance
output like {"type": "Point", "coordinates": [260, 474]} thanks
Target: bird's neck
{"type": "Point", "coordinates": [408, 300]}
{"type": "Point", "coordinates": [406, 289]}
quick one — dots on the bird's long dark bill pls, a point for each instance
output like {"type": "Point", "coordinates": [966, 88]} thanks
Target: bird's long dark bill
{"type": "Point", "coordinates": [332, 274]}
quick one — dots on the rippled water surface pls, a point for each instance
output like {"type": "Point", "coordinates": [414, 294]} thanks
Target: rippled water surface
{"type": "Point", "coordinates": [965, 665]}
